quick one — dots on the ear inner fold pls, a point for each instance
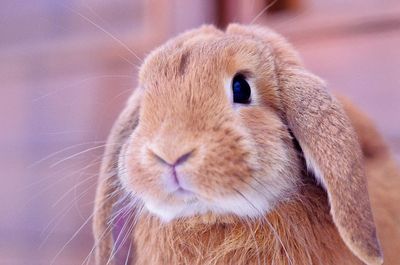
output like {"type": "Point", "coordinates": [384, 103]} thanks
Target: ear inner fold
{"type": "Point", "coordinates": [332, 151]}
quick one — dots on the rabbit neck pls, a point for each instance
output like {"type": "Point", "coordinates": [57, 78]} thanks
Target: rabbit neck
{"type": "Point", "coordinates": [299, 231]}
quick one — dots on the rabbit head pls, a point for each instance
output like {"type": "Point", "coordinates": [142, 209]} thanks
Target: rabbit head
{"type": "Point", "coordinates": [216, 124]}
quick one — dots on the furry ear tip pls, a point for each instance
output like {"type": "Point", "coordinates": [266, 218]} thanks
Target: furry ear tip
{"type": "Point", "coordinates": [208, 28]}
{"type": "Point", "coordinates": [375, 260]}
{"type": "Point", "coordinates": [372, 256]}
{"type": "Point", "coordinates": [232, 25]}
{"type": "Point", "coordinates": [240, 28]}
{"type": "Point", "coordinates": [236, 27]}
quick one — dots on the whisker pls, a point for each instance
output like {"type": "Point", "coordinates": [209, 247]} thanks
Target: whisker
{"type": "Point", "coordinates": [106, 32]}
{"type": "Point", "coordinates": [68, 132]}
{"type": "Point", "coordinates": [51, 185]}
{"type": "Point", "coordinates": [284, 23]}
{"type": "Point", "coordinates": [105, 232]}
{"type": "Point", "coordinates": [91, 176]}
{"type": "Point", "coordinates": [131, 222]}
{"type": "Point", "coordinates": [78, 83]}
{"type": "Point", "coordinates": [94, 13]}
{"type": "Point", "coordinates": [61, 151]}
{"type": "Point", "coordinates": [122, 212]}
{"type": "Point", "coordinates": [268, 223]}
{"type": "Point", "coordinates": [262, 12]}
{"type": "Point", "coordinates": [255, 242]}
{"type": "Point", "coordinates": [279, 239]}
{"type": "Point", "coordinates": [125, 91]}
{"type": "Point", "coordinates": [128, 254]}
{"type": "Point", "coordinates": [78, 154]}
{"type": "Point", "coordinates": [55, 221]}
{"type": "Point", "coordinates": [117, 247]}
{"type": "Point", "coordinates": [108, 228]}
{"type": "Point", "coordinates": [76, 233]}
{"type": "Point", "coordinates": [129, 62]}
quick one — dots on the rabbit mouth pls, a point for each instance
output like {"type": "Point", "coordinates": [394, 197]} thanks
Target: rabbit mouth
{"type": "Point", "coordinates": [183, 203]}
{"type": "Point", "coordinates": [183, 193]}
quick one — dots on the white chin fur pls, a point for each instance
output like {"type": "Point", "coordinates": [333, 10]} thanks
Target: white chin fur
{"type": "Point", "coordinates": [253, 206]}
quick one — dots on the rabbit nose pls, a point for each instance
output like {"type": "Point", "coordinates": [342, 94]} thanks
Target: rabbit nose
{"type": "Point", "coordinates": [172, 162]}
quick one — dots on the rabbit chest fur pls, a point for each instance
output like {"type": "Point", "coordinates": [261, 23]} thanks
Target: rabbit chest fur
{"type": "Point", "coordinates": [300, 232]}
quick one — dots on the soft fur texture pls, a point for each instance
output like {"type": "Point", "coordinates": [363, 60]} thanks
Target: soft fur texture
{"type": "Point", "coordinates": [245, 194]}
{"type": "Point", "coordinates": [383, 177]}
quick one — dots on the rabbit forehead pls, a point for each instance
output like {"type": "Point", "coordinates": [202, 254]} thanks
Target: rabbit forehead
{"type": "Point", "coordinates": [217, 56]}
{"type": "Point", "coordinates": [199, 69]}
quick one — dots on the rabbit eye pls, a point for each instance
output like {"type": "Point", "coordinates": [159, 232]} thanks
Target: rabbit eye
{"type": "Point", "coordinates": [241, 90]}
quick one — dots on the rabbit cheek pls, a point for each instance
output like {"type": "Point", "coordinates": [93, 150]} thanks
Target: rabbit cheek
{"type": "Point", "coordinates": [274, 158]}
{"type": "Point", "coordinates": [138, 172]}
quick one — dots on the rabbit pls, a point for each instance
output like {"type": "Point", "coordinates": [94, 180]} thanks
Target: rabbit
{"type": "Point", "coordinates": [383, 178]}
{"type": "Point", "coordinates": [229, 151]}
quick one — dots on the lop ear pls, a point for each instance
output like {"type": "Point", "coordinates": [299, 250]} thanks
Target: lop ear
{"type": "Point", "coordinates": [108, 186]}
{"type": "Point", "coordinates": [332, 152]}
{"type": "Point", "coordinates": [329, 144]}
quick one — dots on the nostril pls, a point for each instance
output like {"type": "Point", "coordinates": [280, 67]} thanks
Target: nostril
{"type": "Point", "coordinates": [159, 158]}
{"type": "Point", "coordinates": [182, 159]}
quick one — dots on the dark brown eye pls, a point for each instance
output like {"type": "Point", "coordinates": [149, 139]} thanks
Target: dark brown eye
{"type": "Point", "coordinates": [241, 90]}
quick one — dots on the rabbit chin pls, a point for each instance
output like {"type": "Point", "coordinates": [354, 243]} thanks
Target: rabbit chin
{"type": "Point", "coordinates": [241, 206]}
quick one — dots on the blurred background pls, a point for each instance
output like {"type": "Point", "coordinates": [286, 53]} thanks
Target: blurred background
{"type": "Point", "coordinates": [67, 67]}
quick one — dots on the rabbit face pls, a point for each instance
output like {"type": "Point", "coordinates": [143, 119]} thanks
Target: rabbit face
{"type": "Point", "coordinates": [209, 138]}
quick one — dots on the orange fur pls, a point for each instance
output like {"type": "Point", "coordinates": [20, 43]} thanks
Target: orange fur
{"type": "Point", "coordinates": [303, 233]}
{"type": "Point", "coordinates": [383, 177]}
{"type": "Point", "coordinates": [254, 200]}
